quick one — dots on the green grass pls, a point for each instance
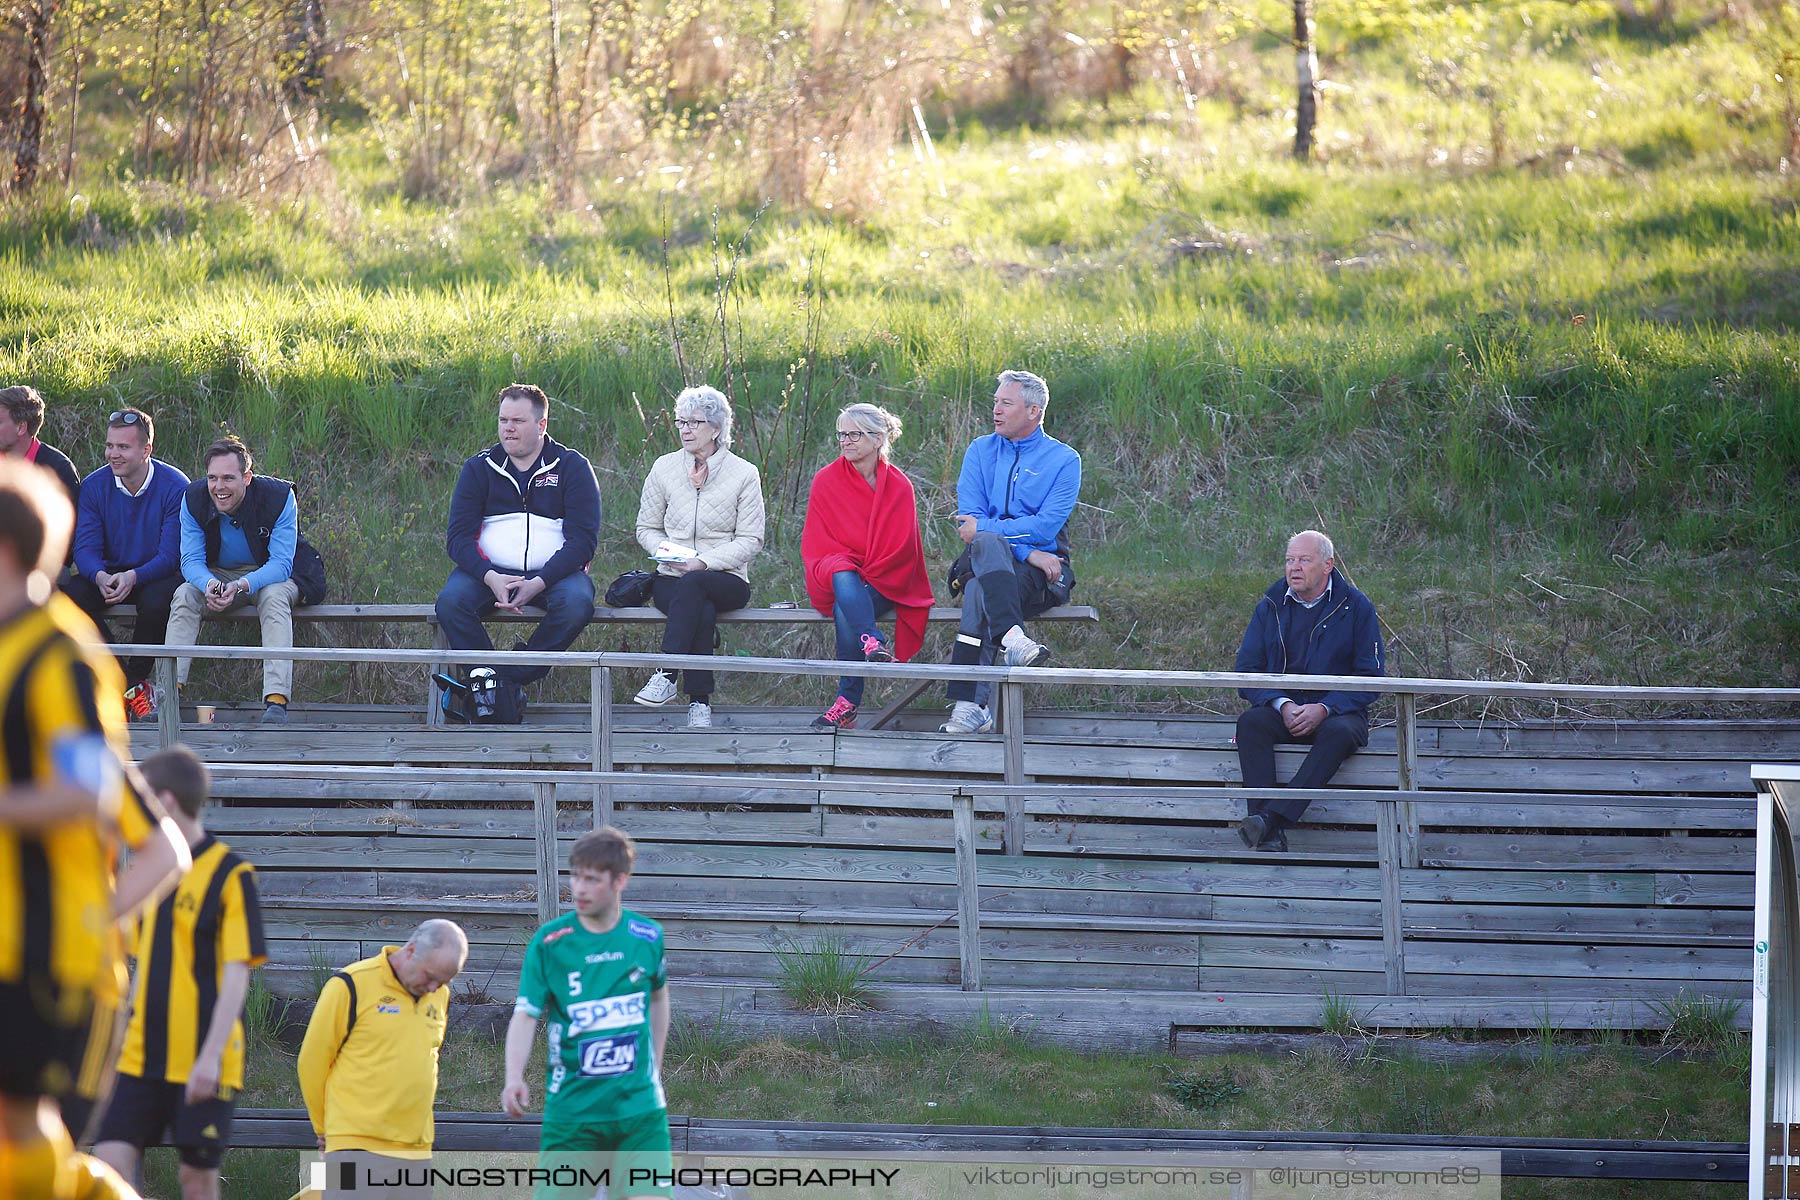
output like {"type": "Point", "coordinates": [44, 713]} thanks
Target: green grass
{"type": "Point", "coordinates": [824, 974]}
{"type": "Point", "coordinates": [988, 1080]}
{"type": "Point", "coordinates": [1550, 409]}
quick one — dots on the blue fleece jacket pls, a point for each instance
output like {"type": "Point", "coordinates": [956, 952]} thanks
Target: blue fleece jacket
{"type": "Point", "coordinates": [1025, 491]}
{"type": "Point", "coordinates": [1346, 640]}
{"type": "Point", "coordinates": [115, 532]}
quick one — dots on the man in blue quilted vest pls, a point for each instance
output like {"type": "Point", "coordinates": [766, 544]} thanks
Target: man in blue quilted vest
{"type": "Point", "coordinates": [241, 544]}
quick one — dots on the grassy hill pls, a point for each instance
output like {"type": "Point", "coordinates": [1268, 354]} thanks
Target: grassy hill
{"type": "Point", "coordinates": [1541, 383]}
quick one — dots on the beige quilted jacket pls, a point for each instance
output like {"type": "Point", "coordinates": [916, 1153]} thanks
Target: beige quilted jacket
{"type": "Point", "coordinates": [723, 519]}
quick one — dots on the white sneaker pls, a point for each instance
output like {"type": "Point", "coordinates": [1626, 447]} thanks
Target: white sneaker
{"type": "Point", "coordinates": [660, 690]}
{"type": "Point", "coordinates": [966, 716]}
{"type": "Point", "coordinates": [1021, 651]}
{"type": "Point", "coordinates": [699, 715]}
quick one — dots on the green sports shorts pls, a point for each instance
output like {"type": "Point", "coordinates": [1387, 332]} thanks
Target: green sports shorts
{"type": "Point", "coordinates": [633, 1151]}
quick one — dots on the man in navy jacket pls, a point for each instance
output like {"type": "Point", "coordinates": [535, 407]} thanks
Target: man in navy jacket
{"type": "Point", "coordinates": [523, 524]}
{"type": "Point", "coordinates": [1311, 622]}
{"type": "Point", "coordinates": [1015, 495]}
{"type": "Point", "coordinates": [128, 544]}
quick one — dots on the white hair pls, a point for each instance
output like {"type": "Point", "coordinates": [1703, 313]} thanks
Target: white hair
{"type": "Point", "coordinates": [1036, 391]}
{"type": "Point", "coordinates": [710, 405]}
{"type": "Point", "coordinates": [873, 419]}
{"type": "Point", "coordinates": [1321, 543]}
{"type": "Point", "coordinates": [436, 934]}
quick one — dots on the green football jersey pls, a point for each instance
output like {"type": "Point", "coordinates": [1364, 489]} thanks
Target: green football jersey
{"type": "Point", "coordinates": [593, 990]}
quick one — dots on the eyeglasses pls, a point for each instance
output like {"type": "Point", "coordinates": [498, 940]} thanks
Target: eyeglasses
{"type": "Point", "coordinates": [851, 435]}
{"type": "Point", "coordinates": [124, 418]}
{"type": "Point", "coordinates": [697, 424]}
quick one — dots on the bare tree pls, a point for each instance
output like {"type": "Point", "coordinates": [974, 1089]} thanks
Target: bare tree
{"type": "Point", "coordinates": [1306, 78]}
{"type": "Point", "coordinates": [40, 24]}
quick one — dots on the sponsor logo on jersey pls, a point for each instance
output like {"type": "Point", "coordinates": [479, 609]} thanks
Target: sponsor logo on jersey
{"type": "Point", "coordinates": [565, 931]}
{"type": "Point", "coordinates": [545, 480]}
{"type": "Point", "coordinates": [643, 929]}
{"type": "Point", "coordinates": [607, 956]}
{"type": "Point", "coordinates": [637, 974]}
{"type": "Point", "coordinates": [615, 1055]}
{"type": "Point", "coordinates": [613, 1012]}
{"type": "Point", "coordinates": [392, 1010]}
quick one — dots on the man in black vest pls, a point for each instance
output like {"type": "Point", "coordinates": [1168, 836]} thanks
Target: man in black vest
{"type": "Point", "coordinates": [241, 543]}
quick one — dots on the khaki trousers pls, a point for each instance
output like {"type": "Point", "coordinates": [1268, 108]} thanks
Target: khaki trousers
{"type": "Point", "coordinates": [274, 609]}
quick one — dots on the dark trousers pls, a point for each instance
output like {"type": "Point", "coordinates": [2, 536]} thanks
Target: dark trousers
{"type": "Point", "coordinates": [568, 606]}
{"type": "Point", "coordinates": [1261, 728]}
{"type": "Point", "coordinates": [151, 627]}
{"type": "Point", "coordinates": [693, 603]}
{"type": "Point", "coordinates": [1002, 593]}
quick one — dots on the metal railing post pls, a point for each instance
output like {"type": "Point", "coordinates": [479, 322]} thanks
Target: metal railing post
{"type": "Point", "coordinates": [1406, 730]}
{"type": "Point", "coordinates": [1393, 926]}
{"type": "Point", "coordinates": [968, 894]}
{"type": "Point", "coordinates": [1012, 730]}
{"type": "Point", "coordinates": [600, 726]}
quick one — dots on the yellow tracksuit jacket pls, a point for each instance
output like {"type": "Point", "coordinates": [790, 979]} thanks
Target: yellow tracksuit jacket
{"type": "Point", "coordinates": [368, 1066]}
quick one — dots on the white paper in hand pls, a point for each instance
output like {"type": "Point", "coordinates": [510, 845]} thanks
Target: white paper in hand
{"type": "Point", "coordinates": [673, 552]}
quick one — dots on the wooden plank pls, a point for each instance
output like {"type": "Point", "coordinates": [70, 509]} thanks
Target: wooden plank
{"type": "Point", "coordinates": [168, 713]}
{"type": "Point", "coordinates": [1538, 960]}
{"type": "Point", "coordinates": [1012, 728]}
{"type": "Point", "coordinates": [1407, 775]}
{"type": "Point", "coordinates": [544, 848]}
{"type": "Point", "coordinates": [968, 894]}
{"type": "Point", "coordinates": [600, 721]}
{"type": "Point", "coordinates": [1705, 891]}
{"type": "Point", "coordinates": [1393, 941]}
{"type": "Point", "coordinates": [1548, 887]}
{"type": "Point", "coordinates": [1433, 809]}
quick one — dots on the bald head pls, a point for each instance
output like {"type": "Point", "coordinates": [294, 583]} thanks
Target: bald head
{"type": "Point", "coordinates": [432, 956]}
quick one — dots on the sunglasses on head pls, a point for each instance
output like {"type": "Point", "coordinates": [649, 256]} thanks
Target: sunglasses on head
{"type": "Point", "coordinates": [124, 418]}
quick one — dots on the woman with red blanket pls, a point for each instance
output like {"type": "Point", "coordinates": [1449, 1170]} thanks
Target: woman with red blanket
{"type": "Point", "coordinates": [863, 554]}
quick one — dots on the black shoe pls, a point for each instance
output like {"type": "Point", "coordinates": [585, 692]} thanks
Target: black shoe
{"type": "Point", "coordinates": [1276, 842]}
{"type": "Point", "coordinates": [1253, 830]}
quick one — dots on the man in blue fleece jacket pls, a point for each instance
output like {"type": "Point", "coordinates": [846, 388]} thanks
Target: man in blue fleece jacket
{"type": "Point", "coordinates": [1014, 498]}
{"type": "Point", "coordinates": [1310, 622]}
{"type": "Point", "coordinates": [128, 544]}
{"type": "Point", "coordinates": [523, 524]}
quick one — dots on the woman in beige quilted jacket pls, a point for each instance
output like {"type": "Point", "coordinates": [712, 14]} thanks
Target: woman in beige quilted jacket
{"type": "Point", "coordinates": [701, 519]}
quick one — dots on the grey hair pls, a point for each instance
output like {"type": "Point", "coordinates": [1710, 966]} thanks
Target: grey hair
{"type": "Point", "coordinates": [1037, 392]}
{"type": "Point", "coordinates": [437, 934]}
{"type": "Point", "coordinates": [872, 418]}
{"type": "Point", "coordinates": [711, 406]}
{"type": "Point", "coordinates": [1320, 541]}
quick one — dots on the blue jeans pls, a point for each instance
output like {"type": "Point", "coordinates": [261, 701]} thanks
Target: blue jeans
{"type": "Point", "coordinates": [855, 606]}
{"type": "Point", "coordinates": [568, 606]}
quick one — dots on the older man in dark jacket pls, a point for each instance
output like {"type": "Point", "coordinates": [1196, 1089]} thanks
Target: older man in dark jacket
{"type": "Point", "coordinates": [1311, 622]}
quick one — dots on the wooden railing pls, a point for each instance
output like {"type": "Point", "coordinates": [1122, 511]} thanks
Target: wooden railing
{"type": "Point", "coordinates": [1396, 827]}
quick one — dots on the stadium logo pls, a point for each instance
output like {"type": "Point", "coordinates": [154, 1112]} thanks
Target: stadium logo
{"type": "Point", "coordinates": [613, 1012]}
{"type": "Point", "coordinates": [608, 956]}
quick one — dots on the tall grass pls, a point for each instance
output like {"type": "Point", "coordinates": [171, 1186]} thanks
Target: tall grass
{"type": "Point", "coordinates": [1551, 412]}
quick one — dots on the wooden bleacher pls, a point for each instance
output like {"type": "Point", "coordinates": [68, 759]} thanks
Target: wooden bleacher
{"type": "Point", "coordinates": [1615, 875]}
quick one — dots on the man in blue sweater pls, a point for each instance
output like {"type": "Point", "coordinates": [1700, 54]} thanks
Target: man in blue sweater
{"type": "Point", "coordinates": [1311, 622]}
{"type": "Point", "coordinates": [523, 524]}
{"type": "Point", "coordinates": [241, 544]}
{"type": "Point", "coordinates": [1014, 498]}
{"type": "Point", "coordinates": [128, 544]}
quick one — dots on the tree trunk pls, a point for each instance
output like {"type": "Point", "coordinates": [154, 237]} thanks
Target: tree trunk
{"type": "Point", "coordinates": [1306, 78]}
{"type": "Point", "coordinates": [40, 20]}
{"type": "Point", "coordinates": [303, 51]}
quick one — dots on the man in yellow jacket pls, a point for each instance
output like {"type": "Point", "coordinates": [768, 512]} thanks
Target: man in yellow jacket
{"type": "Point", "coordinates": [368, 1066]}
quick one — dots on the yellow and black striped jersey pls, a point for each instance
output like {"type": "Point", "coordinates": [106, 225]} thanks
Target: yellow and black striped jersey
{"type": "Point", "coordinates": [211, 919]}
{"type": "Point", "coordinates": [61, 960]}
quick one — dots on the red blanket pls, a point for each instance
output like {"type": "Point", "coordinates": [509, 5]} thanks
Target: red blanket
{"type": "Point", "coordinates": [874, 532]}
